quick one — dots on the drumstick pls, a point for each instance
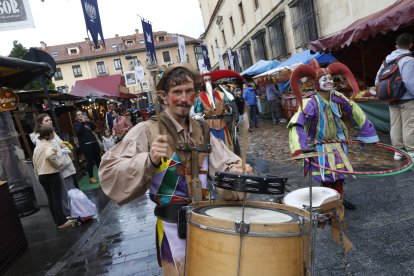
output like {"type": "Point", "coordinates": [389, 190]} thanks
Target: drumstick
{"type": "Point", "coordinates": [245, 128]}
{"type": "Point", "coordinates": [157, 115]}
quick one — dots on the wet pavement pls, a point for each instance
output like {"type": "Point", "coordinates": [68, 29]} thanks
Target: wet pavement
{"type": "Point", "coordinates": [121, 241]}
{"type": "Point", "coordinates": [47, 244]}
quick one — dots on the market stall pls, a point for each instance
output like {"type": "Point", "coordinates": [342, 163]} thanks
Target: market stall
{"type": "Point", "coordinates": [260, 67]}
{"type": "Point", "coordinates": [363, 45]}
{"type": "Point", "coordinates": [280, 76]}
{"type": "Point", "coordinates": [15, 197]}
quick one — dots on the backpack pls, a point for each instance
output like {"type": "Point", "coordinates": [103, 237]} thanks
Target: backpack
{"type": "Point", "coordinates": [391, 86]}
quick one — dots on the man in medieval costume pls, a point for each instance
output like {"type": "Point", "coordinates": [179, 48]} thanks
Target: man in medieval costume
{"type": "Point", "coordinates": [213, 104]}
{"type": "Point", "coordinates": [172, 157]}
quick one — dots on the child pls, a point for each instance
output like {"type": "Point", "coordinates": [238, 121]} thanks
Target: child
{"type": "Point", "coordinates": [108, 140]}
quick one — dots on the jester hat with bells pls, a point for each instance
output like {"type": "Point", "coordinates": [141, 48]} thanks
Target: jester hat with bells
{"type": "Point", "coordinates": [315, 72]}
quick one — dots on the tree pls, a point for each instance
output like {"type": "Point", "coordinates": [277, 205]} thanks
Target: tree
{"type": "Point", "coordinates": [19, 51]}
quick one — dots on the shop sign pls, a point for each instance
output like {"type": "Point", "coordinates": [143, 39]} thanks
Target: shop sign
{"type": "Point", "coordinates": [8, 100]}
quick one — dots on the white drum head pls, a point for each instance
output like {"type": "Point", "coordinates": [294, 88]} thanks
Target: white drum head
{"type": "Point", "coordinates": [252, 215]}
{"type": "Point", "coordinates": [300, 198]}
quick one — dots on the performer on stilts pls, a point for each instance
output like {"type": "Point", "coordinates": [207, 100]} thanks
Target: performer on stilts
{"type": "Point", "coordinates": [319, 119]}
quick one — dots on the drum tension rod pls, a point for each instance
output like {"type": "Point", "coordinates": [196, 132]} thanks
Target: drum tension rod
{"type": "Point", "coordinates": [242, 227]}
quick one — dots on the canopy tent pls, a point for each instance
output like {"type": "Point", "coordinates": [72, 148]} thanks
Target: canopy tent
{"type": "Point", "coordinates": [299, 58]}
{"type": "Point", "coordinates": [364, 44]}
{"type": "Point", "coordinates": [260, 67]}
{"type": "Point", "coordinates": [16, 73]}
{"type": "Point", "coordinates": [107, 87]}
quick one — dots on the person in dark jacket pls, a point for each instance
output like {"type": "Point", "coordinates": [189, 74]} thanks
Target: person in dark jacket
{"type": "Point", "coordinates": [249, 96]}
{"type": "Point", "coordinates": [88, 142]}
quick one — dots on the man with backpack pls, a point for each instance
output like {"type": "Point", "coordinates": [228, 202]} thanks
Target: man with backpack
{"type": "Point", "coordinates": [401, 107]}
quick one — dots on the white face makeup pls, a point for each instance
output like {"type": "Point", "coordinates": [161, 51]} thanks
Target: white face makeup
{"type": "Point", "coordinates": [326, 82]}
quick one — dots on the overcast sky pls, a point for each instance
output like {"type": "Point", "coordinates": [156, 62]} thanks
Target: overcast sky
{"type": "Point", "coordinates": [61, 21]}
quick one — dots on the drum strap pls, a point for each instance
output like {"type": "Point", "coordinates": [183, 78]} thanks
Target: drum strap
{"type": "Point", "coordinates": [194, 183]}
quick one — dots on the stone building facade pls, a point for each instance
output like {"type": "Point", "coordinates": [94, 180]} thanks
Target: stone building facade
{"type": "Point", "coordinates": [82, 60]}
{"type": "Point", "coordinates": [275, 29]}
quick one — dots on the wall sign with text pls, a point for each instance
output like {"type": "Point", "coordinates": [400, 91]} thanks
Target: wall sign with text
{"type": "Point", "coordinates": [8, 100]}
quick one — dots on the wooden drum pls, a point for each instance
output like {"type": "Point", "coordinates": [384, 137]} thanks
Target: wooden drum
{"type": "Point", "coordinates": [276, 243]}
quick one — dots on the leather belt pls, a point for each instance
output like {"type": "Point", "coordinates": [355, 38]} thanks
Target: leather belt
{"type": "Point", "coordinates": [213, 117]}
{"type": "Point", "coordinates": [169, 213]}
{"type": "Point", "coordinates": [182, 170]}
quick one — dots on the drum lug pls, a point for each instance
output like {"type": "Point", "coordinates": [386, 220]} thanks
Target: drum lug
{"type": "Point", "coordinates": [242, 227]}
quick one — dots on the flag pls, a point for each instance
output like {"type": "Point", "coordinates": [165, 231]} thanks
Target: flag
{"type": "Point", "coordinates": [219, 57]}
{"type": "Point", "coordinates": [205, 56]}
{"type": "Point", "coordinates": [202, 66]}
{"type": "Point", "coordinates": [149, 42]}
{"type": "Point", "coordinates": [181, 49]}
{"type": "Point", "coordinates": [139, 73]}
{"type": "Point", "coordinates": [15, 15]}
{"type": "Point", "coordinates": [231, 58]}
{"type": "Point", "coordinates": [93, 20]}
{"type": "Point", "coordinates": [237, 63]}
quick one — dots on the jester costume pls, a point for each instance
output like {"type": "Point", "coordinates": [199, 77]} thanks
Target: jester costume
{"type": "Point", "coordinates": [319, 120]}
{"type": "Point", "coordinates": [127, 173]}
{"type": "Point", "coordinates": [215, 117]}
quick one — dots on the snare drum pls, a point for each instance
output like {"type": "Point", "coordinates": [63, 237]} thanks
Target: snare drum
{"type": "Point", "coordinates": [300, 198]}
{"type": "Point", "coordinates": [276, 243]}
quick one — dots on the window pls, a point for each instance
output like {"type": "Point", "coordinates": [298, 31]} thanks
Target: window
{"type": "Point", "coordinates": [73, 51]}
{"type": "Point", "coordinates": [100, 65]}
{"type": "Point", "coordinates": [232, 25]}
{"type": "Point", "coordinates": [133, 61]}
{"type": "Point", "coordinates": [246, 57]}
{"type": "Point", "coordinates": [224, 37]}
{"type": "Point", "coordinates": [256, 4]}
{"type": "Point", "coordinates": [129, 43]}
{"type": "Point", "coordinates": [117, 64]}
{"type": "Point", "coordinates": [241, 13]}
{"type": "Point", "coordinates": [303, 22]}
{"type": "Point", "coordinates": [161, 38]}
{"type": "Point", "coordinates": [58, 74]}
{"type": "Point", "coordinates": [166, 56]}
{"type": "Point", "coordinates": [198, 52]}
{"type": "Point", "coordinates": [77, 72]}
{"type": "Point", "coordinates": [62, 89]}
{"type": "Point", "coordinates": [277, 36]}
{"type": "Point", "coordinates": [259, 46]}
{"type": "Point", "coordinates": [98, 48]}
{"type": "Point", "coordinates": [55, 54]}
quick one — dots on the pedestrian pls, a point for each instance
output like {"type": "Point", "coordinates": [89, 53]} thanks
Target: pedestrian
{"type": "Point", "coordinates": [320, 119]}
{"type": "Point", "coordinates": [109, 116]}
{"type": "Point", "coordinates": [67, 170]}
{"type": "Point", "coordinates": [213, 104]}
{"type": "Point", "coordinates": [402, 111]}
{"type": "Point", "coordinates": [46, 165]}
{"type": "Point", "coordinates": [239, 103]}
{"type": "Point", "coordinates": [121, 124]}
{"type": "Point", "coordinates": [88, 142]}
{"type": "Point", "coordinates": [272, 96]}
{"type": "Point", "coordinates": [148, 158]}
{"type": "Point", "coordinates": [249, 96]}
{"type": "Point", "coordinates": [108, 140]}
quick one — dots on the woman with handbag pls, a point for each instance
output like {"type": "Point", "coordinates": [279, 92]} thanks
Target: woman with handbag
{"type": "Point", "coordinates": [46, 165]}
{"type": "Point", "coordinates": [67, 170]}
